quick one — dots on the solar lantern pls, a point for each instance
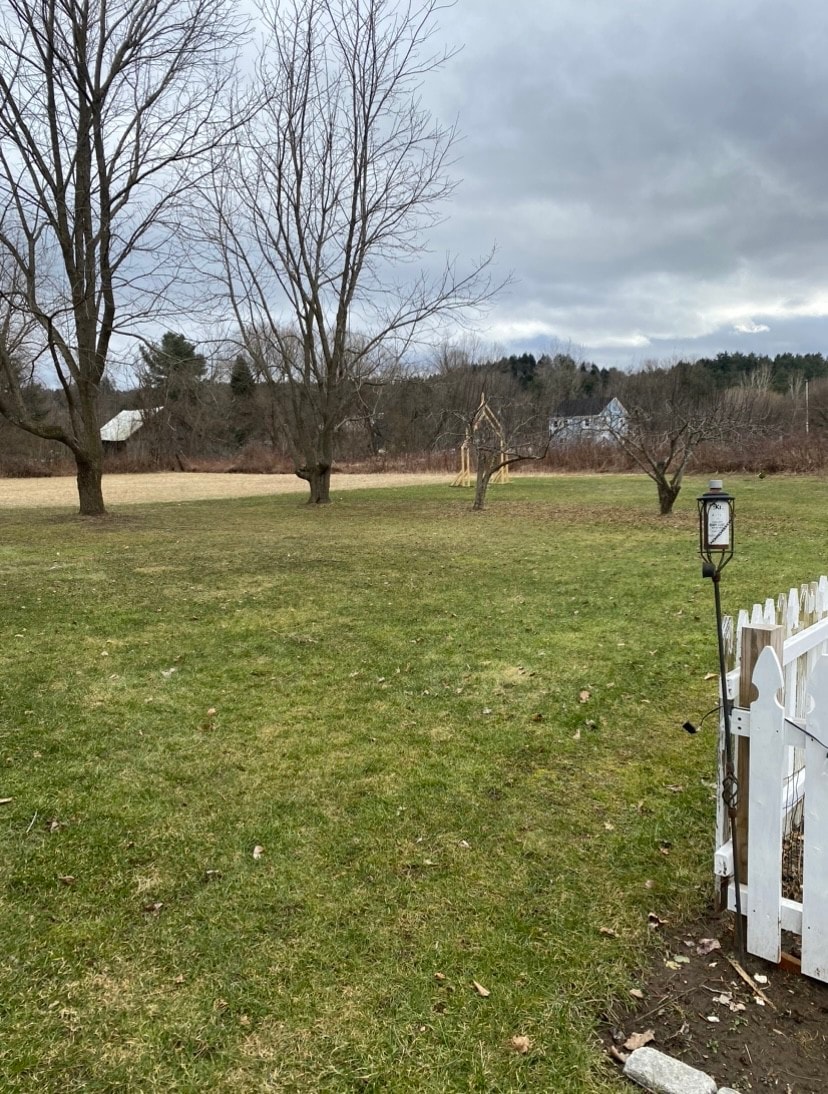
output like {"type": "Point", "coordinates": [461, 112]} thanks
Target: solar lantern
{"type": "Point", "coordinates": [716, 512]}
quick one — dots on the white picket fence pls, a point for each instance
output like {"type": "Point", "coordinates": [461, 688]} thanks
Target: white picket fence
{"type": "Point", "coordinates": [786, 779]}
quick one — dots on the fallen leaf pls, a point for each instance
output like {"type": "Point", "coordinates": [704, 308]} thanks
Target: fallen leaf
{"type": "Point", "coordinates": [179, 979]}
{"type": "Point", "coordinates": [639, 1040]}
{"type": "Point", "coordinates": [440, 976]}
{"type": "Point", "coordinates": [671, 965]}
{"type": "Point", "coordinates": [483, 992]}
{"type": "Point", "coordinates": [713, 1018]}
{"type": "Point", "coordinates": [487, 710]}
{"type": "Point", "coordinates": [583, 696]}
{"type": "Point", "coordinates": [649, 884]}
{"type": "Point", "coordinates": [609, 827]}
{"type": "Point", "coordinates": [521, 1044]}
{"type": "Point", "coordinates": [681, 958]}
{"type": "Point", "coordinates": [654, 921]}
{"type": "Point", "coordinates": [608, 931]}
{"type": "Point", "coordinates": [576, 736]}
{"type": "Point", "coordinates": [66, 879]}
{"type": "Point", "coordinates": [711, 675]}
{"type": "Point", "coordinates": [464, 844]}
{"type": "Point", "coordinates": [636, 993]}
{"type": "Point", "coordinates": [211, 712]}
{"type": "Point", "coordinates": [707, 945]}
{"type": "Point", "coordinates": [154, 908]}
{"type": "Point", "coordinates": [167, 673]}
{"type": "Point", "coordinates": [258, 851]}
{"type": "Point", "coordinates": [620, 1057]}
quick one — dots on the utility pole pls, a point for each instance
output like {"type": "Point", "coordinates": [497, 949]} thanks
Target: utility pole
{"type": "Point", "coordinates": [807, 416]}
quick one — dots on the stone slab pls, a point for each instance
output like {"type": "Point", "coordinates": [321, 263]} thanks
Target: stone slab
{"type": "Point", "coordinates": [661, 1074]}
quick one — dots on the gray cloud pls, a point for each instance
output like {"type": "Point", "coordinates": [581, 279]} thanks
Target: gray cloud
{"type": "Point", "coordinates": [653, 172]}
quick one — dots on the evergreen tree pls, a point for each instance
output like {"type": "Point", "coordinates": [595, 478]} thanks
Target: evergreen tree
{"type": "Point", "coordinates": [242, 383]}
{"type": "Point", "coordinates": [173, 367]}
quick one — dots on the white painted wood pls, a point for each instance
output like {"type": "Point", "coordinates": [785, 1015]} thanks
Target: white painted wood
{"type": "Point", "coordinates": [790, 910]}
{"type": "Point", "coordinates": [732, 679]}
{"type": "Point", "coordinates": [765, 809]}
{"type": "Point", "coordinates": [740, 722]}
{"type": "Point", "coordinates": [804, 641]}
{"type": "Point", "coordinates": [794, 731]}
{"type": "Point", "coordinates": [790, 689]}
{"type": "Point", "coordinates": [803, 613]}
{"type": "Point", "coordinates": [782, 611]}
{"type": "Point", "coordinates": [723, 860]}
{"type": "Point", "coordinates": [792, 615]}
{"type": "Point", "coordinates": [815, 867]}
{"type": "Point", "coordinates": [822, 598]}
{"type": "Point", "coordinates": [742, 621]}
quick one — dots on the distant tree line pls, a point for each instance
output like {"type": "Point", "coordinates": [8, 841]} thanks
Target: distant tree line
{"type": "Point", "coordinates": [218, 407]}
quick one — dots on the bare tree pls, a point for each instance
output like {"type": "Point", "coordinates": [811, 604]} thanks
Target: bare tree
{"type": "Point", "coordinates": [670, 412]}
{"type": "Point", "coordinates": [323, 207]}
{"type": "Point", "coordinates": [107, 107]}
{"type": "Point", "coordinates": [502, 440]}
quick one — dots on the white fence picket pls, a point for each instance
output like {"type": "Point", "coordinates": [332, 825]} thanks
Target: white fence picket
{"type": "Point", "coordinates": [815, 865]}
{"type": "Point", "coordinates": [765, 810]}
{"type": "Point", "coordinates": [788, 778]}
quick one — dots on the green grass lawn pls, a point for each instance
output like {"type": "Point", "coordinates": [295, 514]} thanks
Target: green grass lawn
{"type": "Point", "coordinates": [454, 736]}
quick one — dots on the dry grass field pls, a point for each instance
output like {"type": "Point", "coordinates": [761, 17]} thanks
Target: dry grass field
{"type": "Point", "coordinates": [173, 486]}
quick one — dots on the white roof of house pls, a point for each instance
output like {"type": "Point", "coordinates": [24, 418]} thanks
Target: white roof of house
{"type": "Point", "coordinates": [123, 425]}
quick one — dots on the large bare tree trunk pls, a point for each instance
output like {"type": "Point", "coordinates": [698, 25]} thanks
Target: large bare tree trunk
{"type": "Point", "coordinates": [318, 478]}
{"type": "Point", "coordinates": [90, 492]}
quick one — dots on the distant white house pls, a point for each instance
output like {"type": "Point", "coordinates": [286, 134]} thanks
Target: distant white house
{"type": "Point", "coordinates": [119, 429]}
{"type": "Point", "coordinates": [591, 418]}
{"type": "Point", "coordinates": [122, 426]}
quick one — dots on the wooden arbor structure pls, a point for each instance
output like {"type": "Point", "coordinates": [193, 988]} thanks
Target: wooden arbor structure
{"type": "Point", "coordinates": [484, 417]}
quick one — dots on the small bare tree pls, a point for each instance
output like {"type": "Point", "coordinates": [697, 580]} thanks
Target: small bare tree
{"type": "Point", "coordinates": [670, 412]}
{"type": "Point", "coordinates": [326, 200]}
{"type": "Point", "coordinates": [496, 449]}
{"type": "Point", "coordinates": [106, 109]}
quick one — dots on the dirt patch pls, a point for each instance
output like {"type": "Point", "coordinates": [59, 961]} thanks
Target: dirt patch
{"type": "Point", "coordinates": [702, 1012]}
{"type": "Point", "coordinates": [172, 486]}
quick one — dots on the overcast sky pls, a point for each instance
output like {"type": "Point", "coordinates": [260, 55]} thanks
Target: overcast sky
{"type": "Point", "coordinates": [653, 172]}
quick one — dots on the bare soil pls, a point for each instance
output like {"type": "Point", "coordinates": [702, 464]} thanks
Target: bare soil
{"type": "Point", "coordinates": [175, 486]}
{"type": "Point", "coordinates": [701, 1011]}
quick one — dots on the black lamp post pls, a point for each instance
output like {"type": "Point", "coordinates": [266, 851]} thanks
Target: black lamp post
{"type": "Point", "coordinates": [716, 513]}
